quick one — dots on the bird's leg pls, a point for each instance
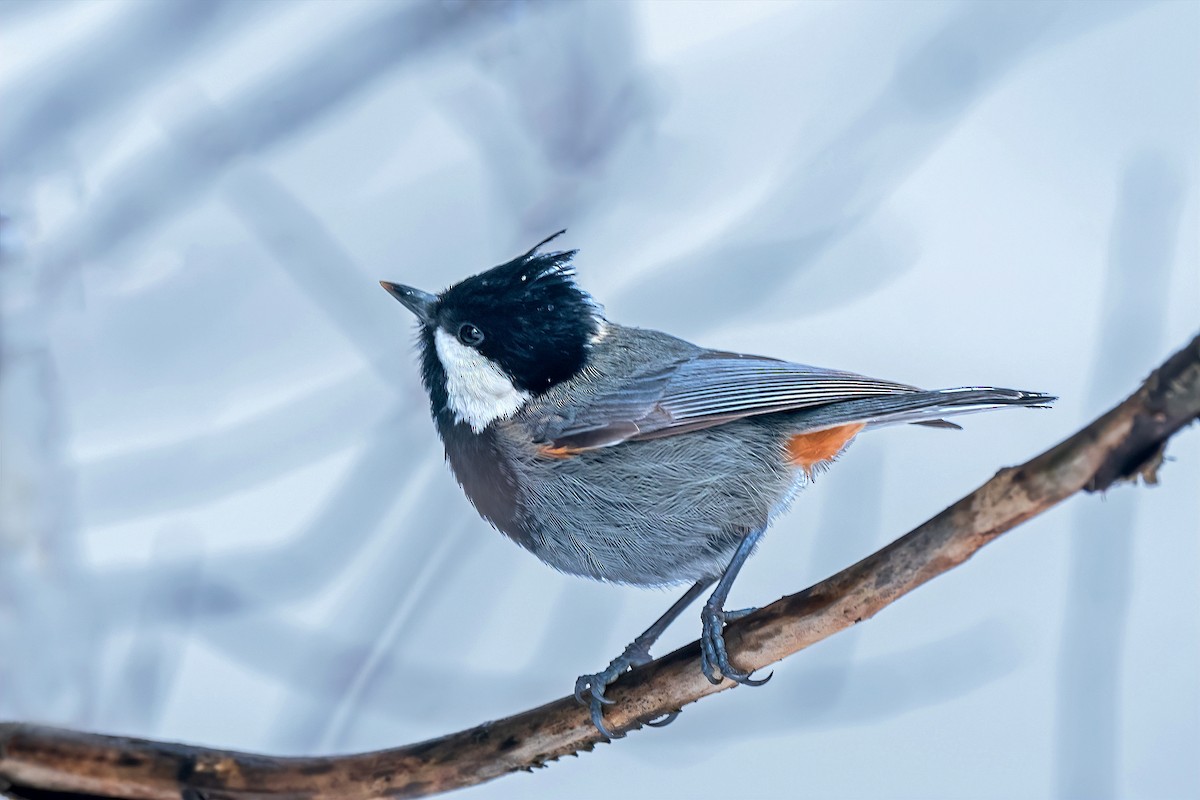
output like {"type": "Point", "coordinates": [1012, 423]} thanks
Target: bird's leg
{"type": "Point", "coordinates": [589, 689]}
{"type": "Point", "coordinates": [714, 659]}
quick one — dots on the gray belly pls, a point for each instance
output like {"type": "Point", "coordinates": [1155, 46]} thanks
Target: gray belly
{"type": "Point", "coordinates": [652, 512]}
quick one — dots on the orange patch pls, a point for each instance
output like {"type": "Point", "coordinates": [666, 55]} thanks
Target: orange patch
{"type": "Point", "coordinates": [807, 450]}
{"type": "Point", "coordinates": [550, 451]}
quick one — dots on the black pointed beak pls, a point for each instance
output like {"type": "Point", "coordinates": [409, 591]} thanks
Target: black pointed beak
{"type": "Point", "coordinates": [420, 303]}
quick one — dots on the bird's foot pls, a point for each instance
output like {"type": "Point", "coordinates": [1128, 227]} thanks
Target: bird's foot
{"type": "Point", "coordinates": [589, 689]}
{"type": "Point", "coordinates": [714, 659]}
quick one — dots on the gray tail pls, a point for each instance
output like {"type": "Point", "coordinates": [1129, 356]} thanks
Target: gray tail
{"type": "Point", "coordinates": [923, 408]}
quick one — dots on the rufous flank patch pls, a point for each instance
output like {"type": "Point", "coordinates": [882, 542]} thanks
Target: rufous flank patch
{"type": "Point", "coordinates": [550, 451]}
{"type": "Point", "coordinates": [807, 450]}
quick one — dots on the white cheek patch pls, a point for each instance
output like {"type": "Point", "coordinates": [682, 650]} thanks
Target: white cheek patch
{"type": "Point", "coordinates": [479, 393]}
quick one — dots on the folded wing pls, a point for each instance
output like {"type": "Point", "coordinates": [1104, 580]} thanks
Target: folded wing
{"type": "Point", "coordinates": [709, 389]}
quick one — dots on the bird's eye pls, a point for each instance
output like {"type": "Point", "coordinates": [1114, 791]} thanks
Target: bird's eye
{"type": "Point", "coordinates": [469, 335]}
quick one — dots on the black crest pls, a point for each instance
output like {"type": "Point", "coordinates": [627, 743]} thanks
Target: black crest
{"type": "Point", "coordinates": [535, 321]}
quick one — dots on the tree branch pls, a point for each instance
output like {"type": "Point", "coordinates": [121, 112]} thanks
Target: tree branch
{"type": "Point", "coordinates": [1123, 444]}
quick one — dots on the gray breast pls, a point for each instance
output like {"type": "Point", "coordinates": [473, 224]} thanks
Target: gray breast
{"type": "Point", "coordinates": [486, 473]}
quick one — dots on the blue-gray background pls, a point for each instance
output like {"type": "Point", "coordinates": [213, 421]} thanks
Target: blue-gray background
{"type": "Point", "coordinates": [223, 513]}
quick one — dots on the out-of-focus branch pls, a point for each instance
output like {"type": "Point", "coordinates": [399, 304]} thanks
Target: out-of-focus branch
{"type": "Point", "coordinates": [1124, 444]}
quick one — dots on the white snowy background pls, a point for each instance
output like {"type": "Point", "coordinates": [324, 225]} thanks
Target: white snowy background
{"type": "Point", "coordinates": [224, 517]}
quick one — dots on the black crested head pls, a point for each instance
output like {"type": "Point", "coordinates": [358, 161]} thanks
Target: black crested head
{"type": "Point", "coordinates": [527, 316]}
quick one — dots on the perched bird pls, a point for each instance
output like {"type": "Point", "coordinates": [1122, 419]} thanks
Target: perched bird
{"type": "Point", "coordinates": [629, 455]}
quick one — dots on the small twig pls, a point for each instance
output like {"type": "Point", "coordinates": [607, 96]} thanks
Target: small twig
{"type": "Point", "coordinates": [1124, 444]}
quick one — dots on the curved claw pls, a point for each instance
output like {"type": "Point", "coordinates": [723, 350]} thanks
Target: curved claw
{"type": "Point", "coordinates": [663, 721]}
{"type": "Point", "coordinates": [589, 689]}
{"type": "Point", "coordinates": [598, 720]}
{"type": "Point", "coordinates": [748, 681]}
{"type": "Point", "coordinates": [714, 658]}
{"type": "Point", "coordinates": [593, 685]}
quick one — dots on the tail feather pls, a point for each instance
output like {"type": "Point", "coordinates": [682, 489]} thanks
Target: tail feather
{"type": "Point", "coordinates": [921, 408]}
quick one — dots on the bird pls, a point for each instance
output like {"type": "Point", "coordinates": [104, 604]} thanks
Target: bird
{"type": "Point", "coordinates": [631, 456]}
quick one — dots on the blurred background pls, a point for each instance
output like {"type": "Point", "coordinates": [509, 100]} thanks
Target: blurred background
{"type": "Point", "coordinates": [224, 516]}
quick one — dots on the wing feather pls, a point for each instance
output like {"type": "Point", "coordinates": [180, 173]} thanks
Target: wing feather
{"type": "Point", "coordinates": [708, 389]}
